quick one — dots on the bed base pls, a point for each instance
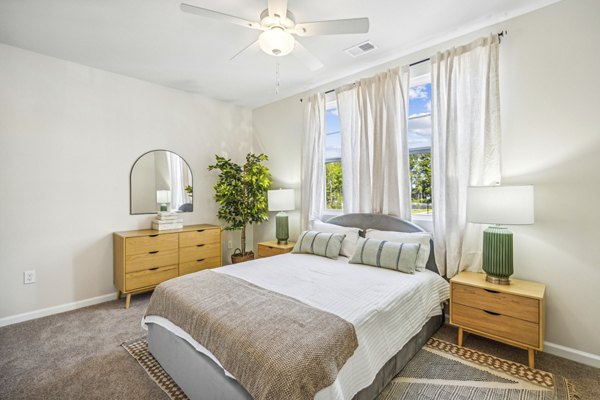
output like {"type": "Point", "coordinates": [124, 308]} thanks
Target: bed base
{"type": "Point", "coordinates": [201, 378]}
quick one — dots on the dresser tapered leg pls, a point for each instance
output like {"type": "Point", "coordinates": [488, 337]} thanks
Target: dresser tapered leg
{"type": "Point", "coordinates": [460, 336]}
{"type": "Point", "coordinates": [127, 300]}
{"type": "Point", "coordinates": [119, 295]}
{"type": "Point", "coordinates": [531, 354]}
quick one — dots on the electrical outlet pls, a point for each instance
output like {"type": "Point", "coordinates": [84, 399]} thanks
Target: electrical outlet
{"type": "Point", "coordinates": [230, 244]}
{"type": "Point", "coordinates": [29, 277]}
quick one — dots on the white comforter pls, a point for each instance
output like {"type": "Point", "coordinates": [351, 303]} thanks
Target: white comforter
{"type": "Point", "coordinates": [386, 307]}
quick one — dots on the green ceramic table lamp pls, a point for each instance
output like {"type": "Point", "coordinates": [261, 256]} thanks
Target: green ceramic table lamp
{"type": "Point", "coordinates": [163, 197]}
{"type": "Point", "coordinates": [281, 200]}
{"type": "Point", "coordinates": [499, 205]}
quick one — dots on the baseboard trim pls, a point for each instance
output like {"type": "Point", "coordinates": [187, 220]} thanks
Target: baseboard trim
{"type": "Point", "coordinates": [44, 312]}
{"type": "Point", "coordinates": [549, 347]}
{"type": "Point", "coordinates": [569, 353]}
{"type": "Point", "coordinates": [572, 354]}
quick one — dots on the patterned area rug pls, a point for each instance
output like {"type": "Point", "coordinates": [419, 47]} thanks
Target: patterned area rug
{"type": "Point", "coordinates": [440, 370]}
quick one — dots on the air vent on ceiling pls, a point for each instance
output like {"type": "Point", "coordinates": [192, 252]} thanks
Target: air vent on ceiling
{"type": "Point", "coordinates": [361, 48]}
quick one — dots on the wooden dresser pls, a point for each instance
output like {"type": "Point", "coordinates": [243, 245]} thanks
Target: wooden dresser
{"type": "Point", "coordinates": [513, 314]}
{"type": "Point", "coordinates": [145, 258]}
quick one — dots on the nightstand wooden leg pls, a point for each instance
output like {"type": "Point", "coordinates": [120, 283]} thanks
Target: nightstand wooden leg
{"type": "Point", "coordinates": [127, 300]}
{"type": "Point", "coordinates": [531, 356]}
{"type": "Point", "coordinates": [119, 295]}
{"type": "Point", "coordinates": [460, 336]}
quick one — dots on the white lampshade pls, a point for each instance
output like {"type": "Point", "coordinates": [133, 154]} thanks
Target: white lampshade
{"type": "Point", "coordinates": [163, 196]}
{"type": "Point", "coordinates": [502, 205]}
{"type": "Point", "coordinates": [276, 42]}
{"type": "Point", "coordinates": [281, 200]}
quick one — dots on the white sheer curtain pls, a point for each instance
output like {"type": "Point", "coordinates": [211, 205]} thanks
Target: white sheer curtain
{"type": "Point", "coordinates": [313, 160]}
{"type": "Point", "coordinates": [180, 178]}
{"type": "Point", "coordinates": [373, 124]}
{"type": "Point", "coordinates": [465, 146]}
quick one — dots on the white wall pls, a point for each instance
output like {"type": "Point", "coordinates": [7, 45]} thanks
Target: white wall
{"type": "Point", "coordinates": [278, 131]}
{"type": "Point", "coordinates": [69, 135]}
{"type": "Point", "coordinates": [550, 66]}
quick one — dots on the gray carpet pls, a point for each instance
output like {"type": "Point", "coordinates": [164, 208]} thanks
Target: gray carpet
{"type": "Point", "coordinates": [78, 355]}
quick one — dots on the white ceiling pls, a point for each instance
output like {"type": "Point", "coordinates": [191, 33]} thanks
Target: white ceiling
{"type": "Point", "coordinates": [154, 41]}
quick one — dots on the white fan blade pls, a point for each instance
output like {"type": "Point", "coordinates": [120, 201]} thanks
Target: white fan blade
{"type": "Point", "coordinates": [203, 12]}
{"type": "Point", "coordinates": [335, 27]}
{"type": "Point", "coordinates": [277, 7]}
{"type": "Point", "coordinates": [311, 62]}
{"type": "Point", "coordinates": [251, 47]}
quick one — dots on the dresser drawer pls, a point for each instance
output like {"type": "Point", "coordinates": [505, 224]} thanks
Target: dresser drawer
{"type": "Point", "coordinates": [144, 244]}
{"type": "Point", "coordinates": [199, 251]}
{"type": "Point", "coordinates": [200, 236]}
{"type": "Point", "coordinates": [511, 305]}
{"type": "Point", "coordinates": [506, 327]}
{"type": "Point", "coordinates": [152, 259]}
{"type": "Point", "coordinates": [149, 277]}
{"type": "Point", "coordinates": [194, 266]}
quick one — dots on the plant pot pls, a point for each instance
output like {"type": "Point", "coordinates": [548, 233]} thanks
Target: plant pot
{"type": "Point", "coordinates": [239, 257]}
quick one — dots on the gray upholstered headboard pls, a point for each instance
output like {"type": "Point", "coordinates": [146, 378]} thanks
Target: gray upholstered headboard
{"type": "Point", "coordinates": [382, 223]}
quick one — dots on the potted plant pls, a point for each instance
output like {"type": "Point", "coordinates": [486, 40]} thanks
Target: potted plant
{"type": "Point", "coordinates": [241, 191]}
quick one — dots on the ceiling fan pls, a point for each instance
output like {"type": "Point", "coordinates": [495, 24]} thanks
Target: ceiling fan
{"type": "Point", "coordinates": [278, 25]}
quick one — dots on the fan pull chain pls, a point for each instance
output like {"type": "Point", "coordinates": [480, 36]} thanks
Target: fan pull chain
{"type": "Point", "coordinates": [277, 78]}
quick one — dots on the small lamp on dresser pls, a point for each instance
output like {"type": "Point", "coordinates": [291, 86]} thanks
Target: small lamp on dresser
{"type": "Point", "coordinates": [499, 205]}
{"type": "Point", "coordinates": [281, 200]}
{"type": "Point", "coordinates": [163, 197]}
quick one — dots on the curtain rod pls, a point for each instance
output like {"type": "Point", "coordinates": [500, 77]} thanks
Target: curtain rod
{"type": "Point", "coordinates": [500, 34]}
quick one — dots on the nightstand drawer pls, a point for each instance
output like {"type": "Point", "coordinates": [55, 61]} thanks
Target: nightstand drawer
{"type": "Point", "coordinates": [151, 259]}
{"type": "Point", "coordinates": [144, 244]}
{"type": "Point", "coordinates": [198, 265]}
{"type": "Point", "coordinates": [514, 329]}
{"type": "Point", "coordinates": [149, 277]}
{"type": "Point", "coordinates": [193, 253]}
{"type": "Point", "coordinates": [268, 251]}
{"type": "Point", "coordinates": [200, 236]}
{"type": "Point", "coordinates": [507, 304]}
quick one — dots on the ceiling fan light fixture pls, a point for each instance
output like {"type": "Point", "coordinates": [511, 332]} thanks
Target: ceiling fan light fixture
{"type": "Point", "coordinates": [276, 42]}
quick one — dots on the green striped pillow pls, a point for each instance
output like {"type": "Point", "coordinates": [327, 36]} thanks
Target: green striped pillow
{"type": "Point", "coordinates": [319, 243]}
{"type": "Point", "coordinates": [391, 255]}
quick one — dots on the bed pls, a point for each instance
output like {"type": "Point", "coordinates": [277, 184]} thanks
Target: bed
{"type": "Point", "coordinates": [393, 315]}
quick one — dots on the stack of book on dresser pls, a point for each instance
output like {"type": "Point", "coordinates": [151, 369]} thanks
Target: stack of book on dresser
{"type": "Point", "coordinates": [167, 220]}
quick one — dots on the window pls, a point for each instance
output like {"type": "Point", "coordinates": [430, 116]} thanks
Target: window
{"type": "Point", "coordinates": [333, 156]}
{"type": "Point", "coordinates": [419, 144]}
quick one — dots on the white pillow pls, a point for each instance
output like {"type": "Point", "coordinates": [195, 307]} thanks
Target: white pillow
{"type": "Point", "coordinates": [406, 237]}
{"type": "Point", "coordinates": [349, 243]}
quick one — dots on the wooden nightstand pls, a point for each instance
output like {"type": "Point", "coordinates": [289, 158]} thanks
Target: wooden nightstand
{"type": "Point", "coordinates": [271, 248]}
{"type": "Point", "coordinates": [513, 314]}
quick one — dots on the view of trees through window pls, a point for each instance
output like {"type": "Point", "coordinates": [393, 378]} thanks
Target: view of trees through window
{"type": "Point", "coordinates": [419, 145]}
{"type": "Point", "coordinates": [333, 157]}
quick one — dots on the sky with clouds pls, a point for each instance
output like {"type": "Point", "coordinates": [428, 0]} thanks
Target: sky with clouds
{"type": "Point", "coordinates": [419, 123]}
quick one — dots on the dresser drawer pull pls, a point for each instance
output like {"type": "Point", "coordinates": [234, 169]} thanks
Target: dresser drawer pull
{"type": "Point", "coordinates": [153, 252]}
{"type": "Point", "coordinates": [153, 269]}
{"type": "Point", "coordinates": [200, 230]}
{"type": "Point", "coordinates": [153, 235]}
{"type": "Point", "coordinates": [199, 245]}
{"type": "Point", "coordinates": [491, 312]}
{"type": "Point", "coordinates": [271, 247]}
{"type": "Point", "coordinates": [491, 291]}
{"type": "Point", "coordinates": [200, 260]}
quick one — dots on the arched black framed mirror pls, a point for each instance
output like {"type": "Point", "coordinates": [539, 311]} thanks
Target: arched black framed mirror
{"type": "Point", "coordinates": [160, 180]}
